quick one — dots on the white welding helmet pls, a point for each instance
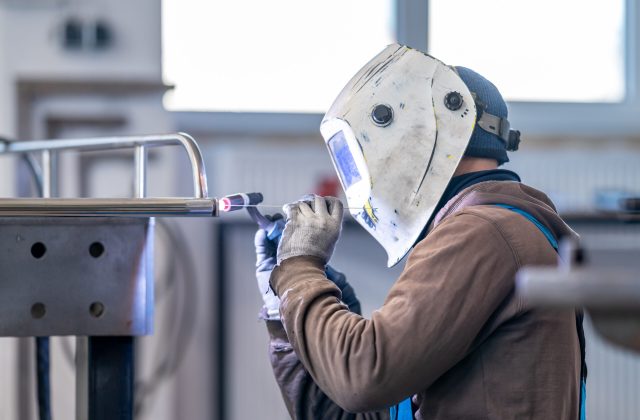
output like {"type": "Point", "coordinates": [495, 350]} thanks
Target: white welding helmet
{"type": "Point", "coordinates": [396, 134]}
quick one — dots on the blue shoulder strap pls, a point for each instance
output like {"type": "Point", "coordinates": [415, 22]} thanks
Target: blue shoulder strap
{"type": "Point", "coordinates": [401, 411]}
{"type": "Point", "coordinates": [554, 243]}
{"type": "Point", "coordinates": [545, 231]}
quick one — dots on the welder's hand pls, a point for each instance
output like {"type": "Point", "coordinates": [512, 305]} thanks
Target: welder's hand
{"type": "Point", "coordinates": [265, 261]}
{"type": "Point", "coordinates": [313, 228]}
{"type": "Point", "coordinates": [348, 294]}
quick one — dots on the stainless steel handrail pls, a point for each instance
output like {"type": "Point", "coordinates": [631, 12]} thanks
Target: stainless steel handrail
{"type": "Point", "coordinates": [133, 207]}
{"type": "Point", "coordinates": [125, 142]}
{"type": "Point", "coordinates": [140, 206]}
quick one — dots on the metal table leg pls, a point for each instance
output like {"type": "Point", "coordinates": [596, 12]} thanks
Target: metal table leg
{"type": "Point", "coordinates": [109, 372]}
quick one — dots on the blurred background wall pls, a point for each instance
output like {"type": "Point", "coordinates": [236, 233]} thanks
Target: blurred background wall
{"type": "Point", "coordinates": [250, 81]}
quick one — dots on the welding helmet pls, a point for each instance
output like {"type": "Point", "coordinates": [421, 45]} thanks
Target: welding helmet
{"type": "Point", "coordinates": [396, 134]}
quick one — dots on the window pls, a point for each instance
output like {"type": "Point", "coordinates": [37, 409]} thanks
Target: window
{"type": "Point", "coordinates": [542, 50]}
{"type": "Point", "coordinates": [268, 56]}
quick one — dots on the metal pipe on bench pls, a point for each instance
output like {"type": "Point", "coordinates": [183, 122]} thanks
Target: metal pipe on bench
{"type": "Point", "coordinates": [88, 207]}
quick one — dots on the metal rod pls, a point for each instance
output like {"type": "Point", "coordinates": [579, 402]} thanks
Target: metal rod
{"type": "Point", "coordinates": [47, 181]}
{"type": "Point", "coordinates": [140, 187]}
{"type": "Point", "coordinates": [87, 207]}
{"type": "Point", "coordinates": [106, 143]}
{"type": "Point", "coordinates": [43, 353]}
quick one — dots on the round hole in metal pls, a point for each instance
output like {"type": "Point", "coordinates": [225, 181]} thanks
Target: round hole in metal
{"type": "Point", "coordinates": [38, 310]}
{"type": "Point", "coordinates": [38, 250]}
{"type": "Point", "coordinates": [96, 249]}
{"type": "Point", "coordinates": [96, 309]}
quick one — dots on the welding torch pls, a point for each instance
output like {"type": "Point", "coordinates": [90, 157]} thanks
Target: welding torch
{"type": "Point", "coordinates": [249, 201]}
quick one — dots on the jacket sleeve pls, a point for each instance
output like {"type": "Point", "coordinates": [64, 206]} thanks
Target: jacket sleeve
{"type": "Point", "coordinates": [303, 398]}
{"type": "Point", "coordinates": [452, 283]}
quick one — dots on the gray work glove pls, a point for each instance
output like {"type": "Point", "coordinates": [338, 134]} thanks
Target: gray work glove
{"type": "Point", "coordinates": [313, 228]}
{"type": "Point", "coordinates": [265, 262]}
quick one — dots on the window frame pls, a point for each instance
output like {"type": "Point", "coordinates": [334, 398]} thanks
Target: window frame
{"type": "Point", "coordinates": [538, 119]}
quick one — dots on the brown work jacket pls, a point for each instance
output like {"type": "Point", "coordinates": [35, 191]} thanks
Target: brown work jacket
{"type": "Point", "coordinates": [452, 334]}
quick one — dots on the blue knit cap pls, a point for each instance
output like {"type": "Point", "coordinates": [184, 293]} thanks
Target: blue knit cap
{"type": "Point", "coordinates": [484, 144]}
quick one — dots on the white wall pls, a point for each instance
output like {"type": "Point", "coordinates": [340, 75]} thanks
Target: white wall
{"type": "Point", "coordinates": [30, 48]}
{"type": "Point", "coordinates": [7, 345]}
{"type": "Point", "coordinates": [6, 120]}
{"type": "Point", "coordinates": [4, 78]}
{"type": "Point", "coordinates": [33, 47]}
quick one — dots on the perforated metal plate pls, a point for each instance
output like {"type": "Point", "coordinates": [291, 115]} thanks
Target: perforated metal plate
{"type": "Point", "coordinates": [76, 276]}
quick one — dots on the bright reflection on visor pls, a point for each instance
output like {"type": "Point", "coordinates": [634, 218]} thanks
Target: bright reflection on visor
{"type": "Point", "coordinates": [343, 159]}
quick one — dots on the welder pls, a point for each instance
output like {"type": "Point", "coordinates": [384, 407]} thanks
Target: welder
{"type": "Point", "coordinates": [417, 145]}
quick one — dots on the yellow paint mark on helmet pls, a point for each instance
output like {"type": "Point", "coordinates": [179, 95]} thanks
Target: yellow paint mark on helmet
{"type": "Point", "coordinates": [369, 210]}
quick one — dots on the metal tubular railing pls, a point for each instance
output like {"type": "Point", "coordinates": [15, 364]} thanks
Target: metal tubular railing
{"type": "Point", "coordinates": [199, 205]}
{"type": "Point", "coordinates": [78, 207]}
